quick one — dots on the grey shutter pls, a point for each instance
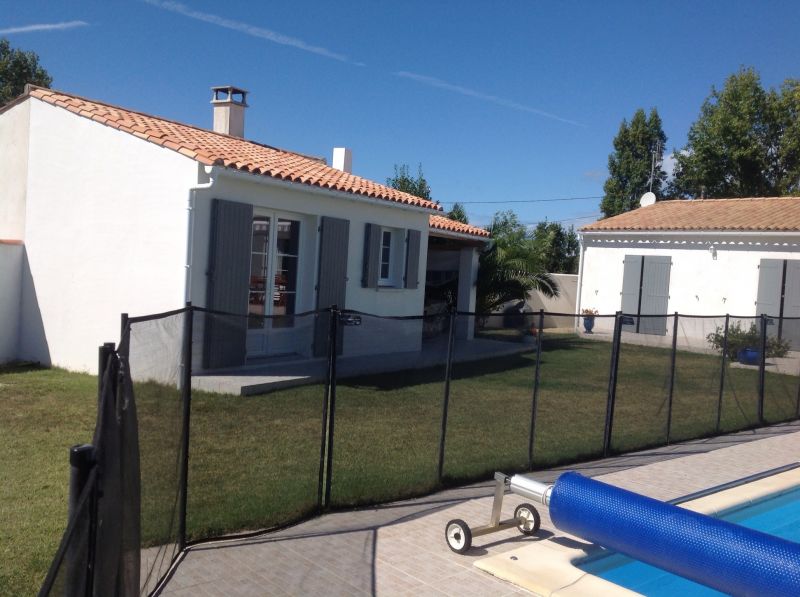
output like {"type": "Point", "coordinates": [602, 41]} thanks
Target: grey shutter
{"type": "Point", "coordinates": [228, 282]}
{"type": "Point", "coordinates": [412, 259]}
{"type": "Point", "coordinates": [791, 304]}
{"type": "Point", "coordinates": [655, 295]}
{"type": "Point", "coordinates": [372, 256]}
{"type": "Point", "coordinates": [332, 280]}
{"type": "Point", "coordinates": [631, 285]}
{"type": "Point", "coordinates": [770, 276]}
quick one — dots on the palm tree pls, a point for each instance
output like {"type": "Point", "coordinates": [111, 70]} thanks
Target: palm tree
{"type": "Point", "coordinates": [503, 278]}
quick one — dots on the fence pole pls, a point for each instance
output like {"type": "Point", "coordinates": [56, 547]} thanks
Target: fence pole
{"type": "Point", "coordinates": [81, 462]}
{"type": "Point", "coordinates": [672, 375]}
{"type": "Point", "coordinates": [186, 399]}
{"type": "Point", "coordinates": [762, 369]}
{"type": "Point", "coordinates": [722, 371]}
{"type": "Point", "coordinates": [446, 398]}
{"type": "Point", "coordinates": [123, 324]}
{"type": "Point", "coordinates": [332, 400]}
{"type": "Point", "coordinates": [534, 405]}
{"type": "Point", "coordinates": [102, 360]}
{"type": "Point", "coordinates": [326, 397]}
{"type": "Point", "coordinates": [612, 383]}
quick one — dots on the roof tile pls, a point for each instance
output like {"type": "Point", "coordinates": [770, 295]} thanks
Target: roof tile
{"type": "Point", "coordinates": [766, 214]}
{"type": "Point", "coordinates": [209, 147]}
{"type": "Point", "coordinates": [444, 223]}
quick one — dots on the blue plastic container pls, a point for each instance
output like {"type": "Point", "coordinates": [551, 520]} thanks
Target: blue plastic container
{"type": "Point", "coordinates": [749, 356]}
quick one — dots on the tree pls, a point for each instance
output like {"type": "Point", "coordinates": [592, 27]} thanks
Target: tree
{"type": "Point", "coordinates": [403, 181]}
{"type": "Point", "coordinates": [630, 165]}
{"type": "Point", "coordinates": [509, 233]}
{"type": "Point", "coordinates": [555, 249]}
{"type": "Point", "coordinates": [745, 143]}
{"type": "Point", "coordinates": [458, 213]}
{"type": "Point", "coordinates": [502, 278]}
{"type": "Point", "coordinates": [18, 68]}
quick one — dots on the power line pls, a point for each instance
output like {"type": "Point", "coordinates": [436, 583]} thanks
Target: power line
{"type": "Point", "coordinates": [526, 200]}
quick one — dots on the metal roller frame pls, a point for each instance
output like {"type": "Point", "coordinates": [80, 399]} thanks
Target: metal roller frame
{"type": "Point", "coordinates": [526, 518]}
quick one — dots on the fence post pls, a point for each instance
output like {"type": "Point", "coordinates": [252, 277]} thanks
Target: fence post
{"type": "Point", "coordinates": [534, 405]}
{"type": "Point", "coordinates": [81, 462]}
{"type": "Point", "coordinates": [186, 399]}
{"type": "Point", "coordinates": [612, 383]}
{"type": "Point", "coordinates": [334, 333]}
{"type": "Point", "coordinates": [762, 369]}
{"type": "Point", "coordinates": [672, 375]}
{"type": "Point", "coordinates": [446, 398]}
{"type": "Point", "coordinates": [722, 371]}
{"type": "Point", "coordinates": [102, 360]}
{"type": "Point", "coordinates": [325, 399]}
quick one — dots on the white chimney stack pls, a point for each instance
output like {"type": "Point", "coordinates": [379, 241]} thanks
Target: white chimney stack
{"type": "Point", "coordinates": [343, 159]}
{"type": "Point", "coordinates": [229, 104]}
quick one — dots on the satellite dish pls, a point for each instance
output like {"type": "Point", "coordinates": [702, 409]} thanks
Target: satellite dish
{"type": "Point", "coordinates": [647, 199]}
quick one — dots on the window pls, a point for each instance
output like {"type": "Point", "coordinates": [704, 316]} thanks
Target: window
{"type": "Point", "coordinates": [645, 291]}
{"type": "Point", "coordinates": [273, 270]}
{"type": "Point", "coordinates": [386, 257]}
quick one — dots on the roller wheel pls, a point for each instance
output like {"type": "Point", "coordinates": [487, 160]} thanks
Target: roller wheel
{"type": "Point", "coordinates": [458, 535]}
{"type": "Point", "coordinates": [528, 519]}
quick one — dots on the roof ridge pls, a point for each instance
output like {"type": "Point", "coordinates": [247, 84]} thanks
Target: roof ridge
{"type": "Point", "coordinates": [171, 121]}
{"type": "Point", "coordinates": [213, 148]}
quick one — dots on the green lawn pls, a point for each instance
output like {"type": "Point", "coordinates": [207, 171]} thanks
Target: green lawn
{"type": "Point", "coordinates": [254, 461]}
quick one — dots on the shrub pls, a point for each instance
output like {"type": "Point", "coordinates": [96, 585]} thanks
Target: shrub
{"type": "Point", "coordinates": [739, 338]}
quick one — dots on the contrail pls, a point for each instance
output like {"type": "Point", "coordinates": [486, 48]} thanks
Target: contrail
{"type": "Point", "coordinates": [44, 27]}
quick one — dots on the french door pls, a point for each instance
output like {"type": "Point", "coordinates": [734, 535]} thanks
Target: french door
{"type": "Point", "coordinates": [274, 267]}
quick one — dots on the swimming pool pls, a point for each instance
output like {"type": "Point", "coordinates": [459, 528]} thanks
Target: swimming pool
{"type": "Point", "coordinates": [778, 515]}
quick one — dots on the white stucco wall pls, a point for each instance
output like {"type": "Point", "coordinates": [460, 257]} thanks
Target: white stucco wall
{"type": "Point", "coordinates": [701, 283]}
{"type": "Point", "coordinates": [105, 233]}
{"type": "Point", "coordinates": [10, 289]}
{"type": "Point", "coordinates": [13, 170]}
{"type": "Point", "coordinates": [308, 207]}
{"type": "Point", "coordinates": [565, 302]}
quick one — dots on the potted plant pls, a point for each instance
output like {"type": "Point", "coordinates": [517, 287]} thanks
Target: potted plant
{"type": "Point", "coordinates": [588, 319]}
{"type": "Point", "coordinates": [744, 344]}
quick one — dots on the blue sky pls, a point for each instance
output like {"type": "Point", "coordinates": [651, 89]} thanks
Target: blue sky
{"type": "Point", "coordinates": [500, 101]}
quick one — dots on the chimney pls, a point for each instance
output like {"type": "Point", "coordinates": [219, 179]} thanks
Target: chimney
{"type": "Point", "coordinates": [229, 104]}
{"type": "Point", "coordinates": [343, 159]}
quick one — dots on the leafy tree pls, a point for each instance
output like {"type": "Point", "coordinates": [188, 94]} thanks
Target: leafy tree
{"type": "Point", "coordinates": [745, 143]}
{"type": "Point", "coordinates": [18, 68]}
{"type": "Point", "coordinates": [555, 249]}
{"type": "Point", "coordinates": [403, 181]}
{"type": "Point", "coordinates": [458, 213]}
{"type": "Point", "coordinates": [509, 233]}
{"type": "Point", "coordinates": [630, 165]}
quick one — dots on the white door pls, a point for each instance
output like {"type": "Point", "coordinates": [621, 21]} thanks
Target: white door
{"type": "Point", "coordinates": [274, 268]}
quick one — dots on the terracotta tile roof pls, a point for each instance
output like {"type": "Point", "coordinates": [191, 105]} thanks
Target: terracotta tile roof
{"type": "Point", "coordinates": [445, 223]}
{"type": "Point", "coordinates": [215, 149]}
{"type": "Point", "coordinates": [770, 214]}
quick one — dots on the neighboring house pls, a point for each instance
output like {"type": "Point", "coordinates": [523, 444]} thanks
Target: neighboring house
{"type": "Point", "coordinates": [106, 210]}
{"type": "Point", "coordinates": [702, 257]}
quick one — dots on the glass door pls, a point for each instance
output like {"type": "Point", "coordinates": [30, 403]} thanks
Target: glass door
{"type": "Point", "coordinates": [274, 262]}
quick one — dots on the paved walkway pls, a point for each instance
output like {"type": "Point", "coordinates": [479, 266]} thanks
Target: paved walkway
{"type": "Point", "coordinates": [399, 548]}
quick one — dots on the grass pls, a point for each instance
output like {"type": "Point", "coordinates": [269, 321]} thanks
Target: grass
{"type": "Point", "coordinates": [254, 461]}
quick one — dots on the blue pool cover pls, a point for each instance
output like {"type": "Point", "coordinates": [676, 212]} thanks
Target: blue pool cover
{"type": "Point", "coordinates": [719, 554]}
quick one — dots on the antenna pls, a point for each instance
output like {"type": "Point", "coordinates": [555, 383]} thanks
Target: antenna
{"type": "Point", "coordinates": [656, 151]}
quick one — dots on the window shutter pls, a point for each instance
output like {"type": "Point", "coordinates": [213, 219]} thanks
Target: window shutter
{"type": "Point", "coordinates": [770, 276]}
{"type": "Point", "coordinates": [655, 294]}
{"type": "Point", "coordinates": [412, 259]}
{"type": "Point", "coordinates": [372, 256]}
{"type": "Point", "coordinates": [791, 304]}
{"type": "Point", "coordinates": [631, 282]}
{"type": "Point", "coordinates": [225, 338]}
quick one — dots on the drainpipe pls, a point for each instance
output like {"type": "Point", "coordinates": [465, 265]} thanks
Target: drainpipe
{"type": "Point", "coordinates": [580, 284]}
{"type": "Point", "coordinates": [190, 227]}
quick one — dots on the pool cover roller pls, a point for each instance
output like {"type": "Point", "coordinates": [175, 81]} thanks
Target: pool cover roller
{"type": "Point", "coordinates": [719, 554]}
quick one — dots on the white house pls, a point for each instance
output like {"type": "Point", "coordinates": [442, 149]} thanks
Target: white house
{"type": "Point", "coordinates": [105, 210]}
{"type": "Point", "coordinates": [704, 257]}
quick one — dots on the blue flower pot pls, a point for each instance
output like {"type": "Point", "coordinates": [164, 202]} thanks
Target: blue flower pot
{"type": "Point", "coordinates": [588, 324]}
{"type": "Point", "coordinates": [749, 356]}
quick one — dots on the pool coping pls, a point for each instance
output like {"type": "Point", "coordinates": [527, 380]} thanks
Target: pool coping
{"type": "Point", "coordinates": [549, 567]}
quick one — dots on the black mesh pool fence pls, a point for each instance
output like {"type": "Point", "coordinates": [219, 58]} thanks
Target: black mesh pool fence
{"type": "Point", "coordinates": [243, 424]}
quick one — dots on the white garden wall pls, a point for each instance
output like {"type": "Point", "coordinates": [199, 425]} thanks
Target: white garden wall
{"type": "Point", "coordinates": [105, 233]}
{"type": "Point", "coordinates": [13, 170]}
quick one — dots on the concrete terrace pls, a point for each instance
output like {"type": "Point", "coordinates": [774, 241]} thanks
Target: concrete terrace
{"type": "Point", "coordinates": [282, 372]}
{"type": "Point", "coordinates": [399, 548]}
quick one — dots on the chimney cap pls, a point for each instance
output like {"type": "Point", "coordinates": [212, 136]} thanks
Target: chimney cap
{"type": "Point", "coordinates": [224, 94]}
